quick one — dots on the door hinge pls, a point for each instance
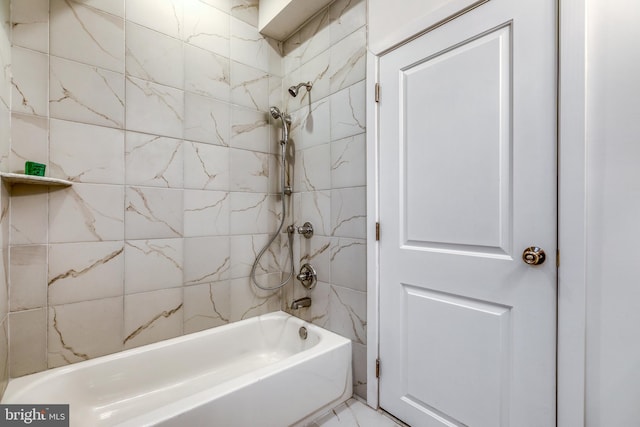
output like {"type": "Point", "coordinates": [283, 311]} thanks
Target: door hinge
{"type": "Point", "coordinates": [377, 368]}
{"type": "Point", "coordinates": [377, 92]}
{"type": "Point", "coordinates": [377, 231]}
{"type": "Point", "coordinates": [557, 258]}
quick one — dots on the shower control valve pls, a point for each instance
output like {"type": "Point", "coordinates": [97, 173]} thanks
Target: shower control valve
{"type": "Point", "coordinates": [306, 230]}
{"type": "Point", "coordinates": [307, 276]}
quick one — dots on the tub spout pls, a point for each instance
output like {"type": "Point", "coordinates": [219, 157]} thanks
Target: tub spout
{"type": "Point", "coordinates": [301, 302]}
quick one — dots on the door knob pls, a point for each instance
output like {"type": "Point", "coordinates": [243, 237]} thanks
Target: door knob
{"type": "Point", "coordinates": [533, 255]}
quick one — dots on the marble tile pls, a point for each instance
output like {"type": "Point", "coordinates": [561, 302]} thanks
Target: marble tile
{"type": "Point", "coordinates": [223, 5]}
{"type": "Point", "coordinates": [249, 87]}
{"type": "Point", "coordinates": [248, 301]}
{"type": "Point", "coordinates": [163, 64]}
{"type": "Point", "coordinates": [29, 141]}
{"type": "Point", "coordinates": [349, 263]}
{"type": "Point", "coordinates": [206, 213]}
{"type": "Point", "coordinates": [4, 354]}
{"type": "Point", "coordinates": [5, 61]}
{"type": "Point", "coordinates": [114, 7]}
{"type": "Point", "coordinates": [248, 46]}
{"type": "Point", "coordinates": [86, 94]}
{"type": "Point", "coordinates": [245, 10]}
{"type": "Point", "coordinates": [86, 213]}
{"type": "Point", "coordinates": [206, 259]}
{"type": "Point", "coordinates": [349, 212]}
{"type": "Point", "coordinates": [28, 277]}
{"type": "Point", "coordinates": [309, 125]}
{"type": "Point", "coordinates": [28, 342]}
{"type": "Point", "coordinates": [311, 40]}
{"type": "Point", "coordinates": [152, 316]}
{"type": "Point", "coordinates": [249, 171]}
{"type": "Point", "coordinates": [206, 120]}
{"type": "Point", "coordinates": [85, 271]}
{"type": "Point", "coordinates": [346, 16]}
{"type": "Point", "coordinates": [359, 369]}
{"type": "Point", "coordinates": [29, 213]}
{"type": "Point", "coordinates": [315, 71]}
{"type": "Point", "coordinates": [84, 330]}
{"type": "Point", "coordinates": [152, 265]}
{"type": "Point", "coordinates": [315, 207]}
{"type": "Point", "coordinates": [29, 81]}
{"type": "Point", "coordinates": [275, 57]}
{"type": "Point", "coordinates": [165, 16]}
{"type": "Point", "coordinates": [348, 313]}
{"type": "Point", "coordinates": [348, 112]}
{"type": "Point", "coordinates": [86, 35]}
{"type": "Point", "coordinates": [30, 24]}
{"type": "Point", "coordinates": [206, 166]}
{"type": "Point", "coordinates": [86, 153]}
{"type": "Point", "coordinates": [5, 138]}
{"type": "Point", "coordinates": [348, 61]}
{"type": "Point", "coordinates": [353, 413]}
{"type": "Point", "coordinates": [313, 168]}
{"type": "Point", "coordinates": [207, 27]}
{"type": "Point", "coordinates": [275, 97]}
{"type": "Point", "coordinates": [348, 162]}
{"type": "Point", "coordinates": [153, 161]}
{"type": "Point", "coordinates": [250, 130]}
{"type": "Point", "coordinates": [317, 252]}
{"type": "Point", "coordinates": [154, 108]}
{"type": "Point", "coordinates": [153, 213]}
{"type": "Point", "coordinates": [207, 73]}
{"type": "Point", "coordinates": [253, 213]}
{"type": "Point", "coordinates": [245, 248]}
{"type": "Point", "coordinates": [206, 306]}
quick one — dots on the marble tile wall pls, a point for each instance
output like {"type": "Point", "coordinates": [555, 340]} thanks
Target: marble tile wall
{"type": "Point", "coordinates": [5, 141]}
{"type": "Point", "coordinates": [328, 133]}
{"type": "Point", "coordinates": [157, 110]}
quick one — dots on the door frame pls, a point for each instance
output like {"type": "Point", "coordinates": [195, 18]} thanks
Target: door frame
{"type": "Point", "coordinates": [572, 196]}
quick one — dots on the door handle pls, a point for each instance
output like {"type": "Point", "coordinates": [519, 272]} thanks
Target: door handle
{"type": "Point", "coordinates": [533, 255]}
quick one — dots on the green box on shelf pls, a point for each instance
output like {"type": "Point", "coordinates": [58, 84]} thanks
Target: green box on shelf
{"type": "Point", "coordinates": [33, 168]}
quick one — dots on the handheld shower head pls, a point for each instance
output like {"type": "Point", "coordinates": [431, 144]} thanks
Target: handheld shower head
{"type": "Point", "coordinates": [293, 90]}
{"type": "Point", "coordinates": [286, 121]}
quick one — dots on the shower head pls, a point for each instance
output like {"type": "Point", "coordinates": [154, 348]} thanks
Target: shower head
{"type": "Point", "coordinates": [277, 114]}
{"type": "Point", "coordinates": [286, 121]}
{"type": "Point", "coordinates": [293, 90]}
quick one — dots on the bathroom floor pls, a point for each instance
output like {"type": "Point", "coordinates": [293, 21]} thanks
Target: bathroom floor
{"type": "Point", "coordinates": [354, 413]}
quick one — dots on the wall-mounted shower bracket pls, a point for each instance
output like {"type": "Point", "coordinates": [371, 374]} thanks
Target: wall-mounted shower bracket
{"type": "Point", "coordinates": [306, 230]}
{"type": "Point", "coordinates": [308, 276]}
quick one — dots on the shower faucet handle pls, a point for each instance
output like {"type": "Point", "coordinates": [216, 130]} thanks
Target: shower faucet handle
{"type": "Point", "coordinates": [306, 230]}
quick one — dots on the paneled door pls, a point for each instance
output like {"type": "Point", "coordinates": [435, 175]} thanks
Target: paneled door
{"type": "Point", "coordinates": [467, 183]}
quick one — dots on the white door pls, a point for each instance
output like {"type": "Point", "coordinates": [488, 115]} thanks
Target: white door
{"type": "Point", "coordinates": [467, 182]}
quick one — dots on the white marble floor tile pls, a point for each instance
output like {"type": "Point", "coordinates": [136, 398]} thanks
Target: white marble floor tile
{"type": "Point", "coordinates": [354, 413]}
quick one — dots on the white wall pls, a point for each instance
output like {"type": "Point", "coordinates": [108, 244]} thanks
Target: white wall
{"type": "Point", "coordinates": [613, 212]}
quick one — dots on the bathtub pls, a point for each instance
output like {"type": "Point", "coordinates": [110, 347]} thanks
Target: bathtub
{"type": "Point", "coordinates": [254, 373]}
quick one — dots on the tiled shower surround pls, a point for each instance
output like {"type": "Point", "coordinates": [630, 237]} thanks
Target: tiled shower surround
{"type": "Point", "coordinates": [157, 110]}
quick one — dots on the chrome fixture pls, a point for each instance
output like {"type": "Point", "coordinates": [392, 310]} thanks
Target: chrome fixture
{"type": "Point", "coordinates": [301, 302]}
{"type": "Point", "coordinates": [293, 90]}
{"type": "Point", "coordinates": [286, 121]}
{"type": "Point", "coordinates": [306, 230]}
{"type": "Point", "coordinates": [307, 276]}
{"type": "Point", "coordinates": [303, 331]}
{"type": "Point", "coordinates": [534, 255]}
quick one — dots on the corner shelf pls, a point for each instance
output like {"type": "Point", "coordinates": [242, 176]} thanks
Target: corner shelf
{"type": "Point", "coordinates": [20, 178]}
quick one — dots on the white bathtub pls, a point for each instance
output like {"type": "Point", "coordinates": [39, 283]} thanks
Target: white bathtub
{"type": "Point", "coordinates": [253, 373]}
